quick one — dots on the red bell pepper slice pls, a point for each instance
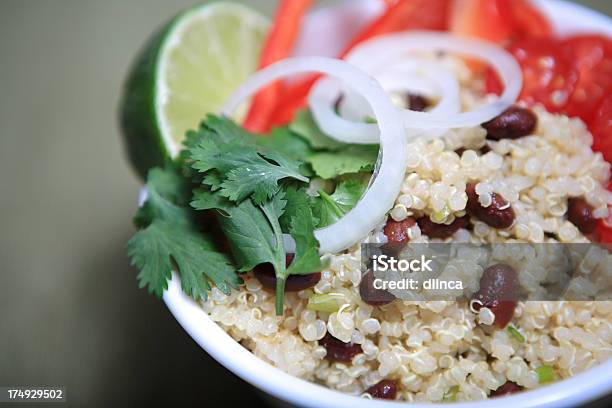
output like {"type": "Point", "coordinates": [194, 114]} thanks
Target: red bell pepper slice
{"type": "Point", "coordinates": [278, 45]}
{"type": "Point", "coordinates": [406, 15]}
{"type": "Point", "coordinates": [400, 15]}
{"type": "Point", "coordinates": [486, 19]}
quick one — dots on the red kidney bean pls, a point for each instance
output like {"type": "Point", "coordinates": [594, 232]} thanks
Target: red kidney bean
{"type": "Point", "coordinates": [416, 102]}
{"type": "Point", "coordinates": [507, 388]}
{"type": "Point", "coordinates": [499, 289]}
{"type": "Point", "coordinates": [371, 295]}
{"type": "Point", "coordinates": [580, 213]}
{"type": "Point", "coordinates": [442, 231]}
{"type": "Point", "coordinates": [499, 214]}
{"type": "Point", "coordinates": [266, 275]}
{"type": "Point", "coordinates": [397, 233]}
{"type": "Point", "coordinates": [385, 389]}
{"type": "Point", "coordinates": [338, 350]}
{"type": "Point", "coordinates": [513, 123]}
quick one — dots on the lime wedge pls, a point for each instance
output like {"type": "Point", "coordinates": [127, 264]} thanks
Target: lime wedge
{"type": "Point", "coordinates": [187, 69]}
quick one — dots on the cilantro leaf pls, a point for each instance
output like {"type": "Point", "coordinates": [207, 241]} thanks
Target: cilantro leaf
{"type": "Point", "coordinates": [167, 192]}
{"type": "Point", "coordinates": [278, 205]}
{"type": "Point", "coordinates": [330, 208]}
{"type": "Point", "coordinates": [286, 142]}
{"type": "Point", "coordinates": [254, 233]}
{"type": "Point", "coordinates": [290, 145]}
{"type": "Point", "coordinates": [210, 153]}
{"type": "Point", "coordinates": [305, 126]}
{"type": "Point", "coordinates": [296, 199]}
{"type": "Point", "coordinates": [256, 236]}
{"type": "Point", "coordinates": [244, 170]}
{"type": "Point", "coordinates": [250, 234]}
{"type": "Point", "coordinates": [168, 240]}
{"type": "Point", "coordinates": [307, 259]}
{"type": "Point", "coordinates": [213, 179]}
{"type": "Point", "coordinates": [260, 181]}
{"type": "Point", "coordinates": [352, 159]}
{"type": "Point", "coordinates": [329, 158]}
{"type": "Point", "coordinates": [154, 249]}
{"type": "Point", "coordinates": [222, 128]}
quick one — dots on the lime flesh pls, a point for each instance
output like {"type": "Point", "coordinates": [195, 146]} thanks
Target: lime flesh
{"type": "Point", "coordinates": [187, 69]}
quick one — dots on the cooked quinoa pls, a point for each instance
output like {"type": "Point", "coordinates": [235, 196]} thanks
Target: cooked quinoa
{"type": "Point", "coordinates": [429, 347]}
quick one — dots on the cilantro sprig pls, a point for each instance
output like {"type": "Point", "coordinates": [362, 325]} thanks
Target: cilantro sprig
{"type": "Point", "coordinates": [235, 166]}
{"type": "Point", "coordinates": [246, 191]}
{"type": "Point", "coordinates": [169, 240]}
{"type": "Point", "coordinates": [257, 188]}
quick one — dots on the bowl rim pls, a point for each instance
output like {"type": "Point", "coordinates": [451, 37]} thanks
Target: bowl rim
{"type": "Point", "coordinates": [576, 390]}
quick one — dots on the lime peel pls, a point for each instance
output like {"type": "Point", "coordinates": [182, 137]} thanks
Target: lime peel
{"type": "Point", "coordinates": [187, 69]}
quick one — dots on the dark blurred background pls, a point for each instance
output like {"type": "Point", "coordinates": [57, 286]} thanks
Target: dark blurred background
{"type": "Point", "coordinates": [70, 311]}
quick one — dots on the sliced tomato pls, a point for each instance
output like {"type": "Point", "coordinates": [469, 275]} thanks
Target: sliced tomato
{"type": "Point", "coordinates": [500, 21]}
{"type": "Point", "coordinates": [528, 20]}
{"type": "Point", "coordinates": [593, 59]}
{"type": "Point", "coordinates": [601, 128]}
{"type": "Point", "coordinates": [604, 232]}
{"type": "Point", "coordinates": [486, 19]}
{"type": "Point", "coordinates": [549, 75]}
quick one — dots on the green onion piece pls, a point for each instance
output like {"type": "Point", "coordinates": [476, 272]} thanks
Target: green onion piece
{"type": "Point", "coordinates": [451, 394]}
{"type": "Point", "coordinates": [516, 334]}
{"type": "Point", "coordinates": [546, 374]}
{"type": "Point", "coordinates": [326, 302]}
{"type": "Point", "coordinates": [440, 216]}
{"type": "Point", "coordinates": [370, 120]}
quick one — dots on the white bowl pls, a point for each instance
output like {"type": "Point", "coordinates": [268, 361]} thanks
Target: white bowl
{"type": "Point", "coordinates": [567, 18]}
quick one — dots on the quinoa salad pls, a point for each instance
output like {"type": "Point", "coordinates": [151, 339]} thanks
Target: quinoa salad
{"type": "Point", "coordinates": [431, 348]}
{"type": "Point", "coordinates": [415, 137]}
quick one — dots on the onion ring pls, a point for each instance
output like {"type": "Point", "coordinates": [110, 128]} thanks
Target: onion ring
{"type": "Point", "coordinates": [413, 76]}
{"type": "Point", "coordinates": [382, 192]}
{"type": "Point", "coordinates": [385, 49]}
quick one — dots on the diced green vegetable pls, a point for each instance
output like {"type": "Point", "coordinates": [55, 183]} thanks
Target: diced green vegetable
{"type": "Point", "coordinates": [546, 374]}
{"type": "Point", "coordinates": [451, 394]}
{"type": "Point", "coordinates": [327, 302]}
{"type": "Point", "coordinates": [439, 216]}
{"type": "Point", "coordinates": [516, 334]}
